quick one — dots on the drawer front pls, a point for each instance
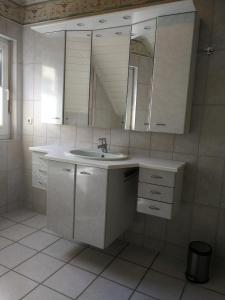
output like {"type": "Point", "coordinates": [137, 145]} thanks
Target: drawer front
{"type": "Point", "coordinates": [39, 176]}
{"type": "Point", "coordinates": [39, 159]}
{"type": "Point", "coordinates": [157, 177]}
{"type": "Point", "coordinates": [154, 208]}
{"type": "Point", "coordinates": [39, 182]}
{"type": "Point", "coordinates": [156, 192]}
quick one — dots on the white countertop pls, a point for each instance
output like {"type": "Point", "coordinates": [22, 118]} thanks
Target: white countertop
{"type": "Point", "coordinates": [57, 153]}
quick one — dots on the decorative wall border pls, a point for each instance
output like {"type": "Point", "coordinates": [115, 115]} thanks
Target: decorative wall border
{"type": "Point", "coordinates": [12, 11]}
{"type": "Point", "coordinates": [60, 9]}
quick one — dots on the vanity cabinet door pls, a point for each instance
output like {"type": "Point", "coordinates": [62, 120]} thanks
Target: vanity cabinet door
{"type": "Point", "coordinates": [175, 49]}
{"type": "Point", "coordinates": [60, 198]}
{"type": "Point", "coordinates": [90, 205]}
{"type": "Point", "coordinates": [52, 77]}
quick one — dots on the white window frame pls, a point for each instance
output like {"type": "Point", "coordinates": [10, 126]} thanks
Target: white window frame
{"type": "Point", "coordinates": [4, 127]}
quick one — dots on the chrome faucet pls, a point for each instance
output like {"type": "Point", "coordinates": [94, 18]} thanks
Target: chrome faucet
{"type": "Point", "coordinates": [103, 145]}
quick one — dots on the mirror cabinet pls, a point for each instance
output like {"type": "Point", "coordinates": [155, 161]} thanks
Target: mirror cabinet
{"type": "Point", "coordinates": [77, 77]}
{"type": "Point", "coordinates": [136, 77]}
{"type": "Point", "coordinates": [109, 73]}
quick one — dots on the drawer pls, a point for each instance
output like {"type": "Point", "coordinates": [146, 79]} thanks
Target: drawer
{"type": "Point", "coordinates": [157, 177]}
{"type": "Point", "coordinates": [156, 192]}
{"type": "Point", "coordinates": [39, 160]}
{"type": "Point", "coordinates": [39, 182]}
{"type": "Point", "coordinates": [155, 208]}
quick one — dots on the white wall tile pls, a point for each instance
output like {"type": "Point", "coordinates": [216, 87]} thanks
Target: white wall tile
{"type": "Point", "coordinates": [68, 134]}
{"type": "Point", "coordinates": [119, 137]}
{"type": "Point", "coordinates": [209, 181]}
{"type": "Point", "coordinates": [204, 222]}
{"type": "Point", "coordinates": [3, 155]}
{"type": "Point", "coordinates": [212, 141]}
{"type": "Point", "coordinates": [140, 140]}
{"type": "Point", "coordinates": [220, 242]}
{"type": "Point", "coordinates": [40, 129]}
{"type": "Point", "coordinates": [28, 112]}
{"type": "Point", "coordinates": [162, 142]}
{"type": "Point", "coordinates": [28, 82]}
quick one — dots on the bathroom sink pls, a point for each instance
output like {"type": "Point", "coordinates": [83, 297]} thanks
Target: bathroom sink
{"type": "Point", "coordinates": [97, 155]}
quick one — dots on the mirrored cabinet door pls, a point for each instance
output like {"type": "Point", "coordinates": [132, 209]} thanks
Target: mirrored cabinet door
{"type": "Point", "coordinates": [77, 77]}
{"type": "Point", "coordinates": [109, 74]}
{"type": "Point", "coordinates": [176, 45]}
{"type": "Point", "coordinates": [140, 75]}
{"type": "Point", "coordinates": [52, 77]}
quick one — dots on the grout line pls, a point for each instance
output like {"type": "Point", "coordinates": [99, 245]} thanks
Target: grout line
{"type": "Point", "coordinates": [145, 273]}
{"type": "Point", "coordinates": [42, 282]}
{"type": "Point", "coordinates": [99, 275]}
{"type": "Point", "coordinates": [182, 292]}
{"type": "Point", "coordinates": [168, 275]}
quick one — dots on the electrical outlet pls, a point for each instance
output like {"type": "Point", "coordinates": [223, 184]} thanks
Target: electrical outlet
{"type": "Point", "coordinates": [29, 120]}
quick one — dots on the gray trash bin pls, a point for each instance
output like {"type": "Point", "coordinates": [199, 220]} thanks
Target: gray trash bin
{"type": "Point", "coordinates": [198, 262]}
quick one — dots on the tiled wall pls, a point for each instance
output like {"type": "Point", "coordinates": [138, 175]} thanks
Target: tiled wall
{"type": "Point", "coordinates": [202, 215]}
{"type": "Point", "coordinates": [11, 155]}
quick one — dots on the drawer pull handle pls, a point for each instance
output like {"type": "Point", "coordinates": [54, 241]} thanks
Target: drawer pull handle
{"type": "Point", "coordinates": [56, 118]}
{"type": "Point", "coordinates": [154, 207]}
{"type": "Point", "coordinates": [42, 158]}
{"type": "Point", "coordinates": [67, 170]}
{"type": "Point", "coordinates": [146, 124]}
{"type": "Point", "coordinates": [85, 173]}
{"type": "Point", "coordinates": [42, 171]}
{"type": "Point", "coordinates": [155, 192]}
{"type": "Point", "coordinates": [156, 177]}
{"type": "Point", "coordinates": [160, 124]}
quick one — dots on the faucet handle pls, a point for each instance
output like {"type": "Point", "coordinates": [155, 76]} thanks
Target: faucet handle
{"type": "Point", "coordinates": [102, 140]}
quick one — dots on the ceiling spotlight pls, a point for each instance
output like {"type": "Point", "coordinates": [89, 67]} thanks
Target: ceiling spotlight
{"type": "Point", "coordinates": [80, 24]}
{"type": "Point", "coordinates": [126, 17]}
{"type": "Point", "coordinates": [147, 27]}
{"type": "Point", "coordinates": [102, 21]}
{"type": "Point", "coordinates": [118, 33]}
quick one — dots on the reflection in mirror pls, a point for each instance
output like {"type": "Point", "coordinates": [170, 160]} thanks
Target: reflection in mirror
{"type": "Point", "coordinates": [140, 75]}
{"type": "Point", "coordinates": [52, 76]}
{"type": "Point", "coordinates": [77, 75]}
{"type": "Point", "coordinates": [110, 58]}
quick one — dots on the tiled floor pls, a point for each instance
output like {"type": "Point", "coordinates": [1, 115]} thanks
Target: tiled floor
{"type": "Point", "coordinates": [37, 264]}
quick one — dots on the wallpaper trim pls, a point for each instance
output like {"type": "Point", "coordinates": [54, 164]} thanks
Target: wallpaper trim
{"type": "Point", "coordinates": [60, 9]}
{"type": "Point", "coordinates": [12, 11]}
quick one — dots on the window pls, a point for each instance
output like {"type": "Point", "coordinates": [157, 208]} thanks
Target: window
{"type": "Point", "coordinates": [4, 88]}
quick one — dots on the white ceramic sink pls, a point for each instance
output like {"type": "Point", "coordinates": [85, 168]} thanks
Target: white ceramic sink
{"type": "Point", "coordinates": [97, 155]}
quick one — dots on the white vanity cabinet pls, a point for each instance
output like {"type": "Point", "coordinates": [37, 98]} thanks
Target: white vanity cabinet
{"type": "Point", "coordinates": [60, 198]}
{"type": "Point", "coordinates": [159, 192]}
{"type": "Point", "coordinates": [104, 204]}
{"type": "Point", "coordinates": [174, 60]}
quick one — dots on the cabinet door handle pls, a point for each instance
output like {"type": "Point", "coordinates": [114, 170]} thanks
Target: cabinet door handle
{"type": "Point", "coordinates": [84, 173]}
{"type": "Point", "coordinates": [154, 207]}
{"type": "Point", "coordinates": [40, 182]}
{"type": "Point", "coordinates": [153, 192]}
{"type": "Point", "coordinates": [56, 118]}
{"type": "Point", "coordinates": [67, 170]}
{"type": "Point", "coordinates": [42, 171]}
{"type": "Point", "coordinates": [156, 177]}
{"type": "Point", "coordinates": [146, 124]}
{"type": "Point", "coordinates": [160, 124]}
